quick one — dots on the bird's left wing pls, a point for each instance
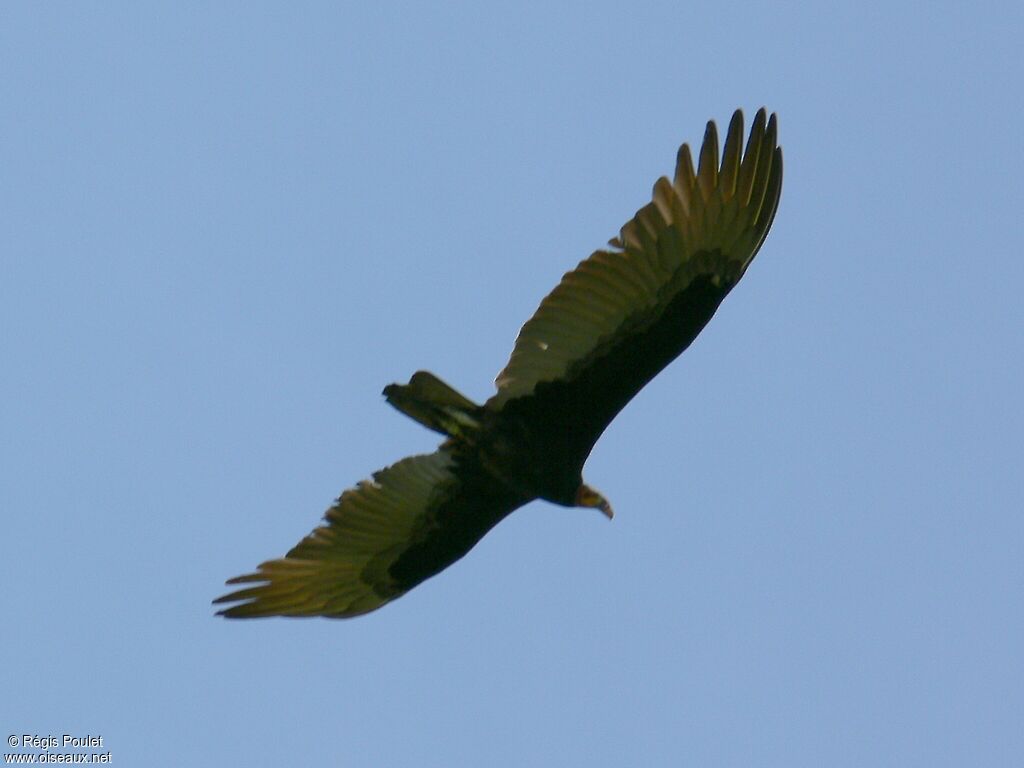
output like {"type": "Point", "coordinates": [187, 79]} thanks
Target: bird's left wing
{"type": "Point", "coordinates": [379, 540]}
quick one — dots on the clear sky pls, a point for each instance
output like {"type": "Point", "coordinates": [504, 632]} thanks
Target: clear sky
{"type": "Point", "coordinates": [225, 227]}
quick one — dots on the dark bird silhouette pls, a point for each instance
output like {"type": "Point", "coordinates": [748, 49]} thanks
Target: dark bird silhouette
{"type": "Point", "coordinates": [605, 330]}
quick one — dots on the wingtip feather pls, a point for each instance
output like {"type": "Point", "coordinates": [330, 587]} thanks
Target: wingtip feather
{"type": "Point", "coordinates": [707, 169]}
{"type": "Point", "coordinates": [731, 155]}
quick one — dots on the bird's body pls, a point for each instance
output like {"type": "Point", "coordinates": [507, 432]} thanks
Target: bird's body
{"type": "Point", "coordinates": [606, 330]}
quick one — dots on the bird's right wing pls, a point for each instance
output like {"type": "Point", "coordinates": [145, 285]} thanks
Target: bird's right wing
{"type": "Point", "coordinates": [707, 223]}
{"type": "Point", "coordinates": [379, 540]}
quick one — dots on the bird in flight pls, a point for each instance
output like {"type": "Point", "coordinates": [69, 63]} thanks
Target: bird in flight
{"type": "Point", "coordinates": [606, 329]}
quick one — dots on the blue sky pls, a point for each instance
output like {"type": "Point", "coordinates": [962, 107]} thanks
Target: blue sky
{"type": "Point", "coordinates": [226, 228]}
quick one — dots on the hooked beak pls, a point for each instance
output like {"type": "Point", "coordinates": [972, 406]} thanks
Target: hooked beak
{"type": "Point", "coordinates": [588, 497]}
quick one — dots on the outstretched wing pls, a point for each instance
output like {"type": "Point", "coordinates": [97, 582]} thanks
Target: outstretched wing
{"type": "Point", "coordinates": [623, 314]}
{"type": "Point", "coordinates": [379, 540]}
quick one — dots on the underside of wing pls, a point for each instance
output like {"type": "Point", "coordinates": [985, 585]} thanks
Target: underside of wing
{"type": "Point", "coordinates": [379, 540]}
{"type": "Point", "coordinates": [625, 313]}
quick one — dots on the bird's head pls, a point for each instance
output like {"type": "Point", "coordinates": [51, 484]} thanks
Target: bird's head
{"type": "Point", "coordinates": [588, 497]}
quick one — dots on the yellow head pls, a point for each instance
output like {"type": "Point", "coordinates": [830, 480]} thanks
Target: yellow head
{"type": "Point", "coordinates": [588, 497]}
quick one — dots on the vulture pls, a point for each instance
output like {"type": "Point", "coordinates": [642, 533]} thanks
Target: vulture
{"type": "Point", "coordinates": [606, 329]}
